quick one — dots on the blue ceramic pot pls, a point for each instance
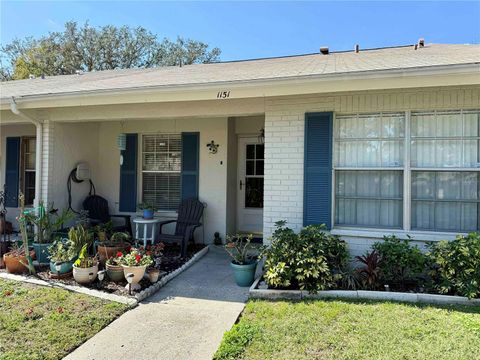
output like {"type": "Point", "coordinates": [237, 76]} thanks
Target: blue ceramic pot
{"type": "Point", "coordinates": [65, 267]}
{"type": "Point", "coordinates": [147, 214]}
{"type": "Point", "coordinates": [244, 274]}
{"type": "Point", "coordinates": [41, 252]}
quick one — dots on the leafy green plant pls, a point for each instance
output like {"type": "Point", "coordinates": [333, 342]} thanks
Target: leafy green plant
{"type": "Point", "coordinates": [369, 273]}
{"type": "Point", "coordinates": [311, 260]}
{"type": "Point", "coordinates": [146, 206]}
{"type": "Point", "coordinates": [22, 221]}
{"type": "Point", "coordinates": [80, 237]}
{"type": "Point", "coordinates": [103, 231]}
{"type": "Point", "coordinates": [455, 265]}
{"type": "Point", "coordinates": [84, 261]}
{"type": "Point", "coordinates": [47, 221]}
{"type": "Point", "coordinates": [400, 262]}
{"type": "Point", "coordinates": [61, 251]}
{"type": "Point", "coordinates": [239, 248]}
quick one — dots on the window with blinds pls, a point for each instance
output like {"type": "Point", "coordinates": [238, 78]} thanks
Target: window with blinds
{"type": "Point", "coordinates": [161, 170]}
{"type": "Point", "coordinates": [368, 165]}
{"type": "Point", "coordinates": [430, 158]}
{"type": "Point", "coordinates": [445, 162]}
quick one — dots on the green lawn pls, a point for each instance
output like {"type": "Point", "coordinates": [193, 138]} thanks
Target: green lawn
{"type": "Point", "coordinates": [44, 323]}
{"type": "Point", "coordinates": [352, 330]}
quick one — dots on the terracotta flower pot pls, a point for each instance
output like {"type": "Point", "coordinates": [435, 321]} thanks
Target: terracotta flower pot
{"type": "Point", "coordinates": [13, 263]}
{"type": "Point", "coordinates": [105, 252]}
{"type": "Point", "coordinates": [115, 272]}
{"type": "Point", "coordinates": [138, 272]}
{"type": "Point", "coordinates": [85, 275]}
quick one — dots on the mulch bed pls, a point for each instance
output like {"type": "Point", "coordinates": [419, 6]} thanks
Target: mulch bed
{"type": "Point", "coordinates": [170, 262]}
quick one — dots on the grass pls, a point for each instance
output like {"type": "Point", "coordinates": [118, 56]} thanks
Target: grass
{"type": "Point", "coordinates": [43, 323]}
{"type": "Point", "coordinates": [352, 330]}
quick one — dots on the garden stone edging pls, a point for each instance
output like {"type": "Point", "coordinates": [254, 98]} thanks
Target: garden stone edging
{"type": "Point", "coordinates": [132, 301]}
{"type": "Point", "coordinates": [270, 294]}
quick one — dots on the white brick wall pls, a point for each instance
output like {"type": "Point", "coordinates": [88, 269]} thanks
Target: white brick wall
{"type": "Point", "coordinates": [284, 143]}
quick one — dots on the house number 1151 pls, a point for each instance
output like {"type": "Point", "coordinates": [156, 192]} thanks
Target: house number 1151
{"type": "Point", "coordinates": [223, 94]}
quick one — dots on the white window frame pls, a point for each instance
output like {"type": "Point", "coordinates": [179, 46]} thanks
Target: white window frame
{"type": "Point", "coordinates": [407, 186]}
{"type": "Point", "coordinates": [140, 171]}
{"type": "Point", "coordinates": [23, 168]}
{"type": "Point", "coordinates": [366, 168]}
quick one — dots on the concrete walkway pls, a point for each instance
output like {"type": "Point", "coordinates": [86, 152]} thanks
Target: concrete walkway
{"type": "Point", "coordinates": [186, 319]}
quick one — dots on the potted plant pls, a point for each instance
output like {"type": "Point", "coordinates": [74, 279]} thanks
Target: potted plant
{"type": "Point", "coordinates": [156, 252]}
{"type": "Point", "coordinates": [134, 265]}
{"type": "Point", "coordinates": [15, 260]}
{"type": "Point", "coordinates": [80, 236]}
{"type": "Point", "coordinates": [148, 210]}
{"type": "Point", "coordinates": [108, 248]}
{"type": "Point", "coordinates": [62, 255]}
{"type": "Point", "coordinates": [114, 268]}
{"type": "Point", "coordinates": [19, 260]}
{"type": "Point", "coordinates": [244, 263]}
{"type": "Point", "coordinates": [85, 268]}
{"type": "Point", "coordinates": [46, 222]}
{"type": "Point", "coordinates": [103, 231]}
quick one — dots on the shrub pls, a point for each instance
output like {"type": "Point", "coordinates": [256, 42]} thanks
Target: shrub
{"type": "Point", "coordinates": [369, 273]}
{"type": "Point", "coordinates": [400, 262]}
{"type": "Point", "coordinates": [456, 265]}
{"type": "Point", "coordinates": [311, 260]}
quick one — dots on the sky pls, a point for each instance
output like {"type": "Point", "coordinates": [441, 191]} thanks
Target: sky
{"type": "Point", "coordinates": [245, 30]}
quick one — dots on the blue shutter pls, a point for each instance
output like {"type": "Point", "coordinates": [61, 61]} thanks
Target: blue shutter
{"type": "Point", "coordinates": [12, 171]}
{"type": "Point", "coordinates": [128, 175]}
{"type": "Point", "coordinates": [318, 169]}
{"type": "Point", "coordinates": [190, 166]}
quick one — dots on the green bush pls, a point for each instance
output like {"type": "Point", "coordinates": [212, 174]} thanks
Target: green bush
{"type": "Point", "coordinates": [311, 260]}
{"type": "Point", "coordinates": [400, 262]}
{"type": "Point", "coordinates": [456, 265]}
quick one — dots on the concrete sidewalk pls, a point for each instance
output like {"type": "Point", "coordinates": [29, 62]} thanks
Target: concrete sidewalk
{"type": "Point", "coordinates": [186, 319]}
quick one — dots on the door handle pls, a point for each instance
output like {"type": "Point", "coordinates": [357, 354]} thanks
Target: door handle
{"type": "Point", "coordinates": [241, 184]}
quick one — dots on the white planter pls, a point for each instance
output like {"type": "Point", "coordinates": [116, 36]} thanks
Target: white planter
{"type": "Point", "coordinates": [85, 275]}
{"type": "Point", "coordinates": [153, 275]}
{"type": "Point", "coordinates": [138, 272]}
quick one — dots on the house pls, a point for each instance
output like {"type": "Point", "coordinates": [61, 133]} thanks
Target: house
{"type": "Point", "coordinates": [369, 142]}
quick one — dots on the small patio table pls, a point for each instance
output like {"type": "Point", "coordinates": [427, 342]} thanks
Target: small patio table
{"type": "Point", "coordinates": [141, 222]}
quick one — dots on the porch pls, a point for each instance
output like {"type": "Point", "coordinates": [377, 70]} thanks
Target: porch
{"type": "Point", "coordinates": [229, 180]}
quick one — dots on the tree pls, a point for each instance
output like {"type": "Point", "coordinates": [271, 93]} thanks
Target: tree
{"type": "Point", "coordinates": [86, 48]}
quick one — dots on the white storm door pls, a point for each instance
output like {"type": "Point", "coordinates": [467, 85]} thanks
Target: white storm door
{"type": "Point", "coordinates": [250, 185]}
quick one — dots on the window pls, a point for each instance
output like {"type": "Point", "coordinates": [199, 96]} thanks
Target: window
{"type": "Point", "coordinates": [434, 162]}
{"type": "Point", "coordinates": [368, 160]}
{"type": "Point", "coordinates": [254, 175]}
{"type": "Point", "coordinates": [27, 168]}
{"type": "Point", "coordinates": [445, 162]}
{"type": "Point", "coordinates": [161, 170]}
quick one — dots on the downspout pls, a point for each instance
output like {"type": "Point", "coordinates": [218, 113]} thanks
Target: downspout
{"type": "Point", "coordinates": [38, 154]}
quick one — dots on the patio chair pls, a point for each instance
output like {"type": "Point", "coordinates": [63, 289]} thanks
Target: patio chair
{"type": "Point", "coordinates": [190, 212]}
{"type": "Point", "coordinates": [98, 213]}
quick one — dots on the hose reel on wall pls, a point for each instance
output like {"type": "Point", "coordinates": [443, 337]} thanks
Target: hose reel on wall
{"type": "Point", "coordinates": [78, 175]}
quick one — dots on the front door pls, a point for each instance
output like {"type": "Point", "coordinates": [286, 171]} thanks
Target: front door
{"type": "Point", "coordinates": [250, 185]}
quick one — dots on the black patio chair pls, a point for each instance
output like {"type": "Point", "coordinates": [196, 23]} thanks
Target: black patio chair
{"type": "Point", "coordinates": [98, 213]}
{"type": "Point", "coordinates": [190, 213]}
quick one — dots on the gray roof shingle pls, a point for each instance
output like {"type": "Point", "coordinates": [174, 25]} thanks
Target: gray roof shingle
{"type": "Point", "coordinates": [394, 58]}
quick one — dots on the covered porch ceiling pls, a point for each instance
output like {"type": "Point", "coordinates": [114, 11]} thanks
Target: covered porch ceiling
{"type": "Point", "coordinates": [143, 111]}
